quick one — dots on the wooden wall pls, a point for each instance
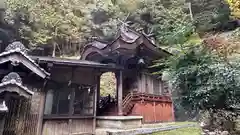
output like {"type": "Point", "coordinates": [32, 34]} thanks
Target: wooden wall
{"type": "Point", "coordinates": [77, 75]}
{"type": "Point", "coordinates": [67, 127]}
{"type": "Point", "coordinates": [37, 106]}
{"type": "Point", "coordinates": [150, 84]}
{"type": "Point", "coordinates": [153, 111]}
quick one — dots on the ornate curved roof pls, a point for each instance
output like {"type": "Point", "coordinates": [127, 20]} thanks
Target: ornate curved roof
{"type": "Point", "coordinates": [16, 53]}
{"type": "Point", "coordinates": [13, 83]}
{"type": "Point", "coordinates": [128, 44]}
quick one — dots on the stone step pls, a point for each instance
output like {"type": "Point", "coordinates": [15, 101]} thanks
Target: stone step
{"type": "Point", "coordinates": [119, 122]}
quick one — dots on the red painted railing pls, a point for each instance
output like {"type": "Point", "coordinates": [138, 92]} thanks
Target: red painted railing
{"type": "Point", "coordinates": [152, 107]}
{"type": "Point", "coordinates": [135, 96]}
{"type": "Point", "coordinates": [128, 101]}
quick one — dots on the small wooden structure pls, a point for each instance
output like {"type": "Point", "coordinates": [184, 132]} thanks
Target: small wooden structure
{"type": "Point", "coordinates": [55, 96]}
{"type": "Point", "coordinates": [138, 91]}
{"type": "Point", "coordinates": [17, 71]}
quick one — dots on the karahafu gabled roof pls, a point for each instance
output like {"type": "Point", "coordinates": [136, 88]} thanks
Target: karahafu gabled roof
{"type": "Point", "coordinates": [13, 83]}
{"type": "Point", "coordinates": [16, 53]}
{"type": "Point", "coordinates": [128, 43]}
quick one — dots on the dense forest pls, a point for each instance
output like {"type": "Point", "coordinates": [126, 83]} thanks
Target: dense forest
{"type": "Point", "coordinates": [65, 26]}
{"type": "Point", "coordinates": [202, 35]}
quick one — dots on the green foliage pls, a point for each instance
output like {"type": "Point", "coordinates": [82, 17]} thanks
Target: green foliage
{"type": "Point", "coordinates": [209, 14]}
{"type": "Point", "coordinates": [59, 22]}
{"type": "Point", "coordinates": [235, 8]}
{"type": "Point", "coordinates": [182, 131]}
{"type": "Point", "coordinates": [108, 84]}
{"type": "Point", "coordinates": [172, 24]}
{"type": "Point", "coordinates": [47, 21]}
{"type": "Point", "coordinates": [204, 81]}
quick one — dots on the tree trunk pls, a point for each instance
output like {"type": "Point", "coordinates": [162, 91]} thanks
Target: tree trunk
{"type": "Point", "coordinates": [54, 50]}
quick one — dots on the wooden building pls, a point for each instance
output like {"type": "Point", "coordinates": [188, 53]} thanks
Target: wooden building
{"type": "Point", "coordinates": [55, 96]}
{"type": "Point", "coordinates": [139, 92]}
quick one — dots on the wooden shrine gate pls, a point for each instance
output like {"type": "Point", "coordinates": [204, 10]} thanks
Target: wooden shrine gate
{"type": "Point", "coordinates": [19, 120]}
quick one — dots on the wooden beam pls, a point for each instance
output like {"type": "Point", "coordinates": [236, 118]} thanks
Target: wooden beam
{"type": "Point", "coordinates": [18, 58]}
{"type": "Point", "coordinates": [54, 117]}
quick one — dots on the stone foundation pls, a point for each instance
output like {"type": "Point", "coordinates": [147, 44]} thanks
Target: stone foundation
{"type": "Point", "coordinates": [119, 122]}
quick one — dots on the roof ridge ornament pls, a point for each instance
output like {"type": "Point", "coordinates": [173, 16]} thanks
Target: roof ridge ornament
{"type": "Point", "coordinates": [18, 46]}
{"type": "Point", "coordinates": [12, 77]}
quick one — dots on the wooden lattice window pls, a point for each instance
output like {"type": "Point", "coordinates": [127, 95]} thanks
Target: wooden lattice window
{"type": "Point", "coordinates": [77, 101]}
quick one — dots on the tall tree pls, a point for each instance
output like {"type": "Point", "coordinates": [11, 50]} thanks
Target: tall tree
{"type": "Point", "coordinates": [47, 21]}
{"type": "Point", "coordinates": [209, 14]}
{"type": "Point", "coordinates": [57, 22]}
{"type": "Point", "coordinates": [235, 8]}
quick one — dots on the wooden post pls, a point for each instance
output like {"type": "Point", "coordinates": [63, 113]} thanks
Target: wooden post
{"type": "Point", "coordinates": [154, 111]}
{"type": "Point", "coordinates": [98, 93]}
{"type": "Point", "coordinates": [41, 109]}
{"type": "Point", "coordinates": [139, 81]}
{"type": "Point", "coordinates": [95, 103]}
{"type": "Point", "coordinates": [41, 113]}
{"type": "Point", "coordinates": [119, 77]}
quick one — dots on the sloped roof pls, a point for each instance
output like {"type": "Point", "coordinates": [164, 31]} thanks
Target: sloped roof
{"type": "Point", "coordinates": [14, 80]}
{"type": "Point", "coordinates": [73, 62]}
{"type": "Point", "coordinates": [16, 53]}
{"type": "Point", "coordinates": [126, 41]}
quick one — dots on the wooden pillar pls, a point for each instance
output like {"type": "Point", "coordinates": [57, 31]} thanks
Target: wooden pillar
{"type": "Point", "coordinates": [96, 99]}
{"type": "Point", "coordinates": [41, 113]}
{"type": "Point", "coordinates": [143, 83]}
{"type": "Point", "coordinates": [41, 109]}
{"type": "Point", "coordinates": [98, 79]}
{"type": "Point", "coordinates": [119, 77]}
{"type": "Point", "coordinates": [2, 123]}
{"type": "Point", "coordinates": [139, 81]}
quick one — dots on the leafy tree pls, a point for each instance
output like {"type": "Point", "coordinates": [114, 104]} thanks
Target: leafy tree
{"type": "Point", "coordinates": [59, 23]}
{"type": "Point", "coordinates": [235, 7]}
{"type": "Point", "coordinates": [203, 81]}
{"type": "Point", "coordinates": [209, 14]}
{"type": "Point", "coordinates": [108, 84]}
{"type": "Point", "coordinates": [47, 21]}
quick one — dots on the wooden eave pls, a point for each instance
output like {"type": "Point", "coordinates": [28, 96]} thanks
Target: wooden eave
{"type": "Point", "coordinates": [124, 44]}
{"type": "Point", "coordinates": [19, 89]}
{"type": "Point", "coordinates": [16, 56]}
{"type": "Point", "coordinates": [75, 63]}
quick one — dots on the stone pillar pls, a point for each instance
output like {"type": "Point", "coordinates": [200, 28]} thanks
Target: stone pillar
{"type": "Point", "coordinates": [119, 77]}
